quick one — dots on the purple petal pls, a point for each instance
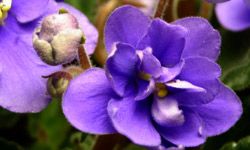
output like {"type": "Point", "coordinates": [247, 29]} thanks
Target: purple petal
{"type": "Point", "coordinates": [202, 39]}
{"type": "Point", "coordinates": [122, 66]}
{"type": "Point", "coordinates": [22, 88]}
{"type": "Point", "coordinates": [200, 72]}
{"type": "Point", "coordinates": [145, 88]}
{"type": "Point", "coordinates": [89, 30]}
{"type": "Point", "coordinates": [85, 102]}
{"type": "Point", "coordinates": [28, 10]}
{"type": "Point", "coordinates": [228, 109]}
{"type": "Point", "coordinates": [199, 69]}
{"type": "Point", "coordinates": [185, 85]}
{"type": "Point", "coordinates": [247, 2]}
{"type": "Point", "coordinates": [132, 119]}
{"type": "Point", "coordinates": [127, 25]}
{"type": "Point", "coordinates": [166, 112]}
{"type": "Point", "coordinates": [169, 74]}
{"type": "Point", "coordinates": [188, 134]}
{"type": "Point", "coordinates": [233, 15]}
{"type": "Point", "coordinates": [150, 64]}
{"type": "Point", "coordinates": [166, 40]}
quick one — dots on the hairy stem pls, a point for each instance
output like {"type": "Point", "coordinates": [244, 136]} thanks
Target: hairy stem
{"type": "Point", "coordinates": [161, 8]}
{"type": "Point", "coordinates": [84, 58]}
{"type": "Point", "coordinates": [206, 10]}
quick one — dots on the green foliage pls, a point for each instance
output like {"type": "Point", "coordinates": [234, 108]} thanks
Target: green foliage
{"type": "Point", "coordinates": [49, 128]}
{"type": "Point", "coordinates": [88, 7]}
{"type": "Point", "coordinates": [134, 147]}
{"type": "Point", "coordinates": [243, 144]}
{"type": "Point", "coordinates": [235, 59]}
{"type": "Point", "coordinates": [8, 145]}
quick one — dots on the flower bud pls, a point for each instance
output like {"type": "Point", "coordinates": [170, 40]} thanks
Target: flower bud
{"type": "Point", "coordinates": [58, 82]}
{"type": "Point", "coordinates": [58, 39]}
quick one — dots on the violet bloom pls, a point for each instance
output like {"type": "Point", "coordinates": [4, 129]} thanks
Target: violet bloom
{"type": "Point", "coordinates": [161, 83]}
{"type": "Point", "coordinates": [234, 15]}
{"type": "Point", "coordinates": [217, 1]}
{"type": "Point", "coordinates": [22, 88]}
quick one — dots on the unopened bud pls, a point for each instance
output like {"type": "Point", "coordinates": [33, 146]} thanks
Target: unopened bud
{"type": "Point", "coordinates": [58, 82]}
{"type": "Point", "coordinates": [58, 39]}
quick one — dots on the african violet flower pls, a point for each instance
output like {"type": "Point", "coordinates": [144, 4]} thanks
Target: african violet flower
{"type": "Point", "coordinates": [234, 15]}
{"type": "Point", "coordinates": [22, 88]}
{"type": "Point", "coordinates": [217, 1]}
{"type": "Point", "coordinates": [160, 83]}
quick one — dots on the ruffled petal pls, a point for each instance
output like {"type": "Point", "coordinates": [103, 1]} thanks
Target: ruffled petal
{"type": "Point", "coordinates": [132, 119]}
{"type": "Point", "coordinates": [202, 39]}
{"type": "Point", "coordinates": [28, 10]}
{"type": "Point", "coordinates": [187, 134]}
{"type": "Point", "coordinates": [200, 72]}
{"type": "Point", "coordinates": [166, 112]}
{"type": "Point", "coordinates": [178, 84]}
{"type": "Point", "coordinates": [228, 109]}
{"type": "Point", "coordinates": [127, 25]}
{"type": "Point", "coordinates": [22, 88]}
{"type": "Point", "coordinates": [122, 66]}
{"type": "Point", "coordinates": [89, 30]}
{"type": "Point", "coordinates": [169, 74]}
{"type": "Point", "coordinates": [145, 88]}
{"type": "Point", "coordinates": [233, 15]}
{"type": "Point", "coordinates": [150, 64]}
{"type": "Point", "coordinates": [166, 40]}
{"type": "Point", "coordinates": [85, 102]}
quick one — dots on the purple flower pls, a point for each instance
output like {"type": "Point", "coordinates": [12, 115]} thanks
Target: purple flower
{"type": "Point", "coordinates": [234, 15]}
{"type": "Point", "coordinates": [22, 88]}
{"type": "Point", "coordinates": [217, 1]}
{"type": "Point", "coordinates": [161, 83]}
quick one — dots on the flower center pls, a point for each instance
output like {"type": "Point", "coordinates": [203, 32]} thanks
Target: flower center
{"type": "Point", "coordinates": [144, 76]}
{"type": "Point", "coordinates": [5, 6]}
{"type": "Point", "coordinates": [161, 90]}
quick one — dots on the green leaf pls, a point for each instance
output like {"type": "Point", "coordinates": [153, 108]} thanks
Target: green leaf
{"type": "Point", "coordinates": [49, 128]}
{"type": "Point", "coordinates": [88, 7]}
{"type": "Point", "coordinates": [235, 59]}
{"type": "Point", "coordinates": [243, 144]}
{"type": "Point", "coordinates": [134, 147]}
{"type": "Point", "coordinates": [229, 146]}
{"type": "Point", "coordinates": [8, 119]}
{"type": "Point", "coordinates": [9, 145]}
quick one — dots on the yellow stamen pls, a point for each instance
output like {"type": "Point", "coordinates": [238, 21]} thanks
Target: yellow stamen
{"type": "Point", "coordinates": [144, 76]}
{"type": "Point", "coordinates": [5, 6]}
{"type": "Point", "coordinates": [161, 90]}
{"type": "Point", "coordinates": [1, 14]}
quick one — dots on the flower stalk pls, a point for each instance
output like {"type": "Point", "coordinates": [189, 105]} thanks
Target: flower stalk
{"type": "Point", "coordinates": [83, 58]}
{"type": "Point", "coordinates": [161, 8]}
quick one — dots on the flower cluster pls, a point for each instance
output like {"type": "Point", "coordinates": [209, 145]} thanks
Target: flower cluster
{"type": "Point", "coordinates": [160, 83]}
{"type": "Point", "coordinates": [22, 88]}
